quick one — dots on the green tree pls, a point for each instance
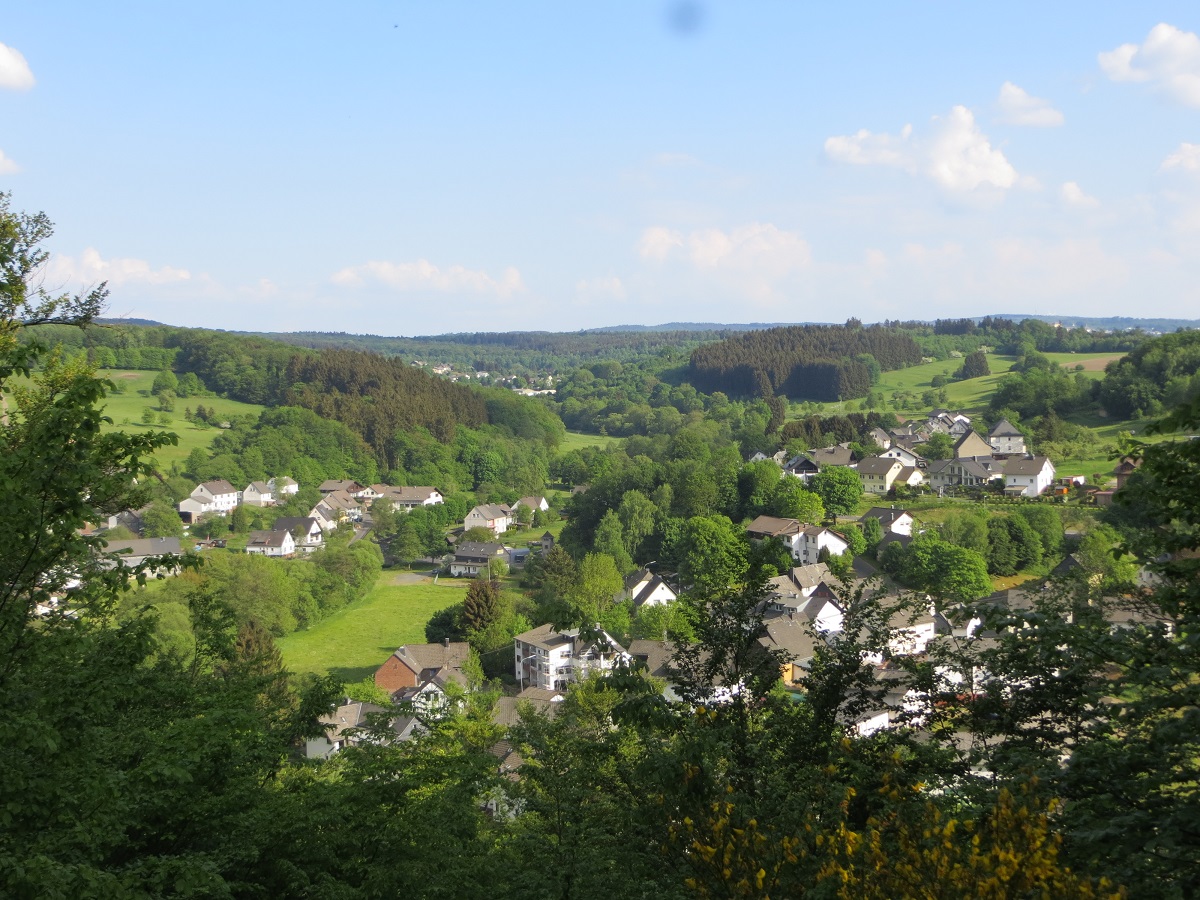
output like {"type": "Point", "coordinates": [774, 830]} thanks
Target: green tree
{"type": "Point", "coordinates": [161, 520]}
{"type": "Point", "coordinates": [872, 530]}
{"type": "Point", "coordinates": [239, 520]}
{"type": "Point", "coordinates": [481, 605]}
{"type": "Point", "coordinates": [975, 365]}
{"type": "Point", "coordinates": [165, 381]}
{"type": "Point", "coordinates": [839, 489]}
{"type": "Point", "coordinates": [610, 540]}
{"type": "Point", "coordinates": [710, 552]}
{"type": "Point", "coordinates": [637, 513]}
{"type": "Point", "coordinates": [939, 446]}
{"type": "Point", "coordinates": [791, 500]}
{"type": "Point", "coordinates": [406, 544]}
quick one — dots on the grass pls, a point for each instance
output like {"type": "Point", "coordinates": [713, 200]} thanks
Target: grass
{"type": "Point", "coordinates": [354, 642]}
{"type": "Point", "coordinates": [125, 409]}
{"type": "Point", "coordinates": [577, 440]}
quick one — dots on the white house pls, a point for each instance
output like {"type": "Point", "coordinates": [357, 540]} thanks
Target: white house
{"type": "Point", "coordinates": [495, 517]}
{"type": "Point", "coordinates": [1028, 476]}
{"type": "Point", "coordinates": [341, 728]}
{"type": "Point", "coordinates": [473, 559]}
{"type": "Point", "coordinates": [645, 588]}
{"type": "Point", "coordinates": [283, 486]}
{"type": "Point", "coordinates": [912, 630]}
{"type": "Point", "coordinates": [406, 498]}
{"type": "Point", "coordinates": [894, 521]}
{"type": "Point", "coordinates": [1004, 438]}
{"type": "Point", "coordinates": [305, 530]}
{"type": "Point", "coordinates": [326, 517]}
{"type": "Point", "coordinates": [533, 503]}
{"type": "Point", "coordinates": [787, 530]}
{"type": "Point", "coordinates": [258, 493]}
{"type": "Point", "coordinates": [819, 606]}
{"type": "Point", "coordinates": [271, 543]}
{"type": "Point", "coordinates": [218, 497]}
{"type": "Point", "coordinates": [906, 456]}
{"type": "Point", "coordinates": [550, 659]}
{"type": "Point", "coordinates": [878, 473]}
{"type": "Point", "coordinates": [814, 539]}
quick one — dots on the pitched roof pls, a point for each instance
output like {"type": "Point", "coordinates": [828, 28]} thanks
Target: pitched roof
{"type": "Point", "coordinates": [546, 637]}
{"type": "Point", "coordinates": [146, 547]}
{"type": "Point", "coordinates": [336, 484]}
{"type": "Point", "coordinates": [773, 526]}
{"type": "Point", "coordinates": [832, 456]}
{"type": "Point", "coordinates": [1004, 428]}
{"type": "Point", "coordinates": [428, 661]}
{"type": "Point", "coordinates": [291, 523]}
{"type": "Point", "coordinates": [806, 577]}
{"type": "Point", "coordinates": [490, 511]}
{"type": "Point", "coordinates": [791, 634]}
{"type": "Point", "coordinates": [469, 550]}
{"type": "Point", "coordinates": [878, 465]}
{"type": "Point", "coordinates": [261, 486]}
{"type": "Point", "coordinates": [885, 515]}
{"type": "Point", "coordinates": [220, 486]}
{"type": "Point", "coordinates": [655, 654]}
{"type": "Point", "coordinates": [1021, 466]}
{"type": "Point", "coordinates": [268, 538]}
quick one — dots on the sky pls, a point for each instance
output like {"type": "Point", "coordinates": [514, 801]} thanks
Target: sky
{"type": "Point", "coordinates": [405, 168]}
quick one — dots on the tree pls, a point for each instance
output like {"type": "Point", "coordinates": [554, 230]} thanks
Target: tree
{"type": "Point", "coordinates": [975, 365]}
{"type": "Point", "coordinates": [165, 381]}
{"type": "Point", "coordinates": [710, 552]}
{"type": "Point", "coordinates": [161, 520]}
{"type": "Point", "coordinates": [872, 530]}
{"type": "Point", "coordinates": [939, 446]}
{"type": "Point", "coordinates": [479, 534]}
{"type": "Point", "coordinates": [611, 541]}
{"type": "Point", "coordinates": [406, 544]}
{"type": "Point", "coordinates": [791, 500]}
{"type": "Point", "coordinates": [637, 513]}
{"type": "Point", "coordinates": [239, 519]}
{"type": "Point", "coordinates": [598, 586]}
{"type": "Point", "coordinates": [839, 489]}
{"type": "Point", "coordinates": [481, 604]}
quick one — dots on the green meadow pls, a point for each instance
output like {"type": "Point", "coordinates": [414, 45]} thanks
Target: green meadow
{"type": "Point", "coordinates": [125, 409]}
{"type": "Point", "coordinates": [354, 642]}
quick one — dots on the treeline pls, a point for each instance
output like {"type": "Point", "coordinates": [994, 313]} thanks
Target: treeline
{"type": "Point", "coordinates": [812, 362]}
{"type": "Point", "coordinates": [1161, 373]}
{"type": "Point", "coordinates": [1010, 337]}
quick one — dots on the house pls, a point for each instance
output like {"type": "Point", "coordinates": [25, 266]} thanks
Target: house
{"type": "Point", "coordinates": [839, 455]}
{"type": "Point", "coordinates": [787, 530]}
{"type": "Point", "coordinates": [971, 444]}
{"type": "Point", "coordinates": [551, 659]}
{"type": "Point", "coordinates": [218, 497]}
{"type": "Point", "coordinates": [409, 498]}
{"type": "Point", "coordinates": [794, 637]}
{"type": "Point", "coordinates": [906, 456]}
{"type": "Point", "coordinates": [800, 466]}
{"type": "Point", "coordinates": [326, 517]}
{"type": "Point", "coordinates": [258, 493]}
{"type": "Point", "coordinates": [127, 518]}
{"type": "Point", "coordinates": [973, 471]}
{"type": "Point", "coordinates": [413, 665]}
{"type": "Point", "coordinates": [1004, 438]}
{"type": "Point", "coordinates": [533, 503]}
{"type": "Point", "coordinates": [1027, 476]}
{"type": "Point", "coordinates": [271, 543]}
{"type": "Point", "coordinates": [1126, 467]}
{"type": "Point", "coordinates": [645, 588]}
{"type": "Point", "coordinates": [340, 726]}
{"type": "Point", "coordinates": [878, 473]}
{"type": "Point", "coordinates": [344, 505]}
{"type": "Point", "coordinates": [472, 558]}
{"type": "Point", "coordinates": [894, 521]}
{"type": "Point", "coordinates": [497, 518]}
{"type": "Point", "coordinates": [546, 542]}
{"type": "Point", "coordinates": [909, 476]}
{"type": "Point", "coordinates": [954, 424]}
{"type": "Point", "coordinates": [136, 552]}
{"type": "Point", "coordinates": [816, 538]}
{"type": "Point", "coordinates": [819, 607]}
{"type": "Point", "coordinates": [880, 438]}
{"type": "Point", "coordinates": [283, 486]}
{"type": "Point", "coordinates": [305, 530]}
{"type": "Point", "coordinates": [333, 484]}
{"type": "Point", "coordinates": [913, 629]}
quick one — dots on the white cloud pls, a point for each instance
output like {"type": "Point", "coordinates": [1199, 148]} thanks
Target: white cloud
{"type": "Point", "coordinates": [657, 242]}
{"type": "Point", "coordinates": [423, 275]}
{"type": "Point", "coordinates": [961, 158]}
{"type": "Point", "coordinates": [14, 70]}
{"type": "Point", "coordinates": [1187, 158]}
{"type": "Point", "coordinates": [1020, 108]}
{"type": "Point", "coordinates": [1073, 195]}
{"type": "Point", "coordinates": [1169, 59]}
{"type": "Point", "coordinates": [957, 156]}
{"type": "Point", "coordinates": [762, 249]}
{"type": "Point", "coordinates": [91, 268]}
{"type": "Point", "coordinates": [864, 148]}
{"type": "Point", "coordinates": [609, 288]}
{"type": "Point", "coordinates": [7, 166]}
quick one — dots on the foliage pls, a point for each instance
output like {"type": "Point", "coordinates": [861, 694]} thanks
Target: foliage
{"type": "Point", "coordinates": [975, 365]}
{"type": "Point", "coordinates": [839, 489]}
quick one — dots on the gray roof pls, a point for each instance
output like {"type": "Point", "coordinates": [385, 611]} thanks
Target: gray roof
{"type": "Point", "coordinates": [291, 523]}
{"type": "Point", "coordinates": [1004, 428]}
{"type": "Point", "coordinates": [267, 538]}
{"type": "Point", "coordinates": [655, 654]}
{"type": "Point", "coordinates": [885, 515]}
{"type": "Point", "coordinates": [336, 484]}
{"type": "Point", "coordinates": [261, 486]}
{"type": "Point", "coordinates": [474, 550]}
{"type": "Point", "coordinates": [434, 661]}
{"type": "Point", "coordinates": [878, 465]}
{"type": "Point", "coordinates": [546, 637]}
{"type": "Point", "coordinates": [773, 526]}
{"type": "Point", "coordinates": [810, 576]}
{"type": "Point", "coordinates": [791, 634]}
{"type": "Point", "coordinates": [491, 511]}
{"type": "Point", "coordinates": [1019, 466]}
{"type": "Point", "coordinates": [146, 547]}
{"type": "Point", "coordinates": [220, 486]}
{"type": "Point", "coordinates": [832, 456]}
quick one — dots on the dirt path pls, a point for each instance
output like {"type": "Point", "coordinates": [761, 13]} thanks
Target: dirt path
{"type": "Point", "coordinates": [410, 578]}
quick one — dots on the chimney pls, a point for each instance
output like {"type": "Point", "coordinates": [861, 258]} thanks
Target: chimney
{"type": "Point", "coordinates": [446, 642]}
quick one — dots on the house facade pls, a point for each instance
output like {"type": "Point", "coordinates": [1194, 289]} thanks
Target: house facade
{"type": "Point", "coordinates": [497, 518]}
{"type": "Point", "coordinates": [1028, 476]}
{"type": "Point", "coordinates": [258, 493]}
{"type": "Point", "coordinates": [814, 539]}
{"type": "Point", "coordinates": [1004, 438]}
{"type": "Point", "coordinates": [305, 530]}
{"type": "Point", "coordinates": [894, 521]}
{"type": "Point", "coordinates": [879, 472]}
{"type": "Point", "coordinates": [472, 559]}
{"type": "Point", "coordinates": [552, 660]}
{"type": "Point", "coordinates": [218, 497]}
{"type": "Point", "coordinates": [271, 543]}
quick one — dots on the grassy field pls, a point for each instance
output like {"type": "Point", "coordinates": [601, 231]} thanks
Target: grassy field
{"type": "Point", "coordinates": [577, 440]}
{"type": "Point", "coordinates": [353, 642]}
{"type": "Point", "coordinates": [125, 409]}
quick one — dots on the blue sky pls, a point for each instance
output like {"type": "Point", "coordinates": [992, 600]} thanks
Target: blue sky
{"type": "Point", "coordinates": [418, 168]}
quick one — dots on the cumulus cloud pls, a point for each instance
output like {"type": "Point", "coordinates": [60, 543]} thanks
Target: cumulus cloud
{"type": "Point", "coordinates": [1187, 158]}
{"type": "Point", "coordinates": [7, 166]}
{"type": "Point", "coordinates": [1073, 195]}
{"type": "Point", "coordinates": [1169, 59]}
{"type": "Point", "coordinates": [609, 288]}
{"type": "Point", "coordinates": [15, 73]}
{"type": "Point", "coordinates": [957, 155]}
{"type": "Point", "coordinates": [1017, 107]}
{"type": "Point", "coordinates": [761, 248]}
{"type": "Point", "coordinates": [91, 267]}
{"type": "Point", "coordinates": [423, 275]}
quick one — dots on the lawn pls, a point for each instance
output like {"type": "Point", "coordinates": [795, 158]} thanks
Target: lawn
{"type": "Point", "coordinates": [353, 642]}
{"type": "Point", "coordinates": [125, 409]}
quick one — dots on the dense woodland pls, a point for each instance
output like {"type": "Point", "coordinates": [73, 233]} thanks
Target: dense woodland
{"type": "Point", "coordinates": [149, 749]}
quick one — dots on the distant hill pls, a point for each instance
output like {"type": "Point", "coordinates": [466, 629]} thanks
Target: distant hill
{"type": "Point", "coordinates": [1107, 323]}
{"type": "Point", "coordinates": [127, 322]}
{"type": "Point", "coordinates": [695, 326]}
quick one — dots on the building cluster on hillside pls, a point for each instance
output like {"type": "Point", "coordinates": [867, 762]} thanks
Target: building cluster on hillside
{"type": "Point", "coordinates": [975, 461]}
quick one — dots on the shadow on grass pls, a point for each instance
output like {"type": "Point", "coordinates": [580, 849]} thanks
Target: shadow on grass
{"type": "Point", "coordinates": [350, 675]}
